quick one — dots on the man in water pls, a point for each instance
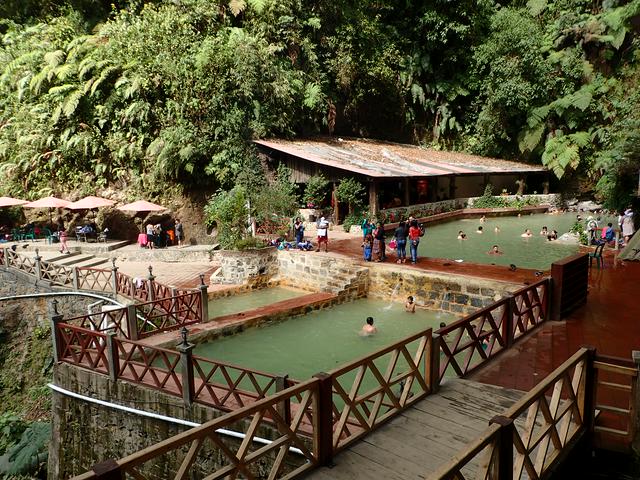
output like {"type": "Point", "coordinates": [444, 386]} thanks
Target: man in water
{"type": "Point", "coordinates": [368, 328]}
{"type": "Point", "coordinates": [410, 306]}
{"type": "Point", "coordinates": [495, 250]}
{"type": "Point", "coordinates": [527, 233]}
{"type": "Point", "coordinates": [479, 230]}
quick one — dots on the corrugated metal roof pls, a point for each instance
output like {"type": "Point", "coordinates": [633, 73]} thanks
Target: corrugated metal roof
{"type": "Point", "coordinates": [376, 158]}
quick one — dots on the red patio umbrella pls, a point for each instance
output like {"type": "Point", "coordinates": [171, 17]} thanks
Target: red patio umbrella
{"type": "Point", "coordinates": [11, 202]}
{"type": "Point", "coordinates": [48, 202]}
{"type": "Point", "coordinates": [142, 206]}
{"type": "Point", "coordinates": [89, 203]}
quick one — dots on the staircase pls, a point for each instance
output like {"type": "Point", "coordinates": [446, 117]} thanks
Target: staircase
{"type": "Point", "coordinates": [76, 259]}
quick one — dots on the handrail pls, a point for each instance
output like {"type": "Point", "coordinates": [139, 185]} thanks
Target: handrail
{"type": "Point", "coordinates": [238, 458]}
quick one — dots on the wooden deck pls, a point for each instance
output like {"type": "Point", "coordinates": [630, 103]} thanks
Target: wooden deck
{"type": "Point", "coordinates": [413, 444]}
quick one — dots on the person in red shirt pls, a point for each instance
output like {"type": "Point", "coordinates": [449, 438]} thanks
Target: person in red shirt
{"type": "Point", "coordinates": [414, 240]}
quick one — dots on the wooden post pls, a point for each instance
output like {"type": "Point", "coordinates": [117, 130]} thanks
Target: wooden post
{"type": "Point", "coordinates": [186, 366]}
{"type": "Point", "coordinates": [114, 276]}
{"type": "Point", "coordinates": [373, 197]}
{"type": "Point", "coordinates": [587, 394]}
{"type": "Point", "coordinates": [204, 299]}
{"type": "Point", "coordinates": [38, 265]}
{"type": "Point", "coordinates": [336, 204]}
{"type": "Point", "coordinates": [150, 279]}
{"type": "Point", "coordinates": [6, 257]}
{"type": "Point", "coordinates": [433, 368]}
{"type": "Point", "coordinates": [76, 278]}
{"type": "Point", "coordinates": [549, 293]}
{"type": "Point", "coordinates": [284, 407]}
{"type": "Point", "coordinates": [108, 470]}
{"type": "Point", "coordinates": [324, 429]}
{"type": "Point", "coordinates": [175, 307]}
{"type": "Point", "coordinates": [112, 356]}
{"type": "Point", "coordinates": [507, 325]}
{"type": "Point", "coordinates": [132, 322]}
{"type": "Point", "coordinates": [634, 420]}
{"type": "Point", "coordinates": [56, 338]}
{"type": "Point", "coordinates": [505, 446]}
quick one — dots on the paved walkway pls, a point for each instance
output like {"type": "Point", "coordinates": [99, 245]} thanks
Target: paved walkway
{"type": "Point", "coordinates": [610, 322]}
{"type": "Point", "coordinates": [180, 275]}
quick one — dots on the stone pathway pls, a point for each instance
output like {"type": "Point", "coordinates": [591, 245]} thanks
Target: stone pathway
{"type": "Point", "coordinates": [180, 275]}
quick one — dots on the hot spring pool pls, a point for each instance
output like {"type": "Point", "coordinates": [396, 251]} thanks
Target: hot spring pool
{"type": "Point", "coordinates": [242, 302]}
{"type": "Point", "coordinates": [440, 241]}
{"type": "Point", "coordinates": [321, 340]}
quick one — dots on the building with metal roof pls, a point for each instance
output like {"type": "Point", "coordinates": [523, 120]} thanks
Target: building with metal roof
{"type": "Point", "coordinates": [400, 174]}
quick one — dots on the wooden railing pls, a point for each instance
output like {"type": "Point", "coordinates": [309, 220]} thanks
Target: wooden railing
{"type": "Point", "coordinates": [20, 262]}
{"type": "Point", "coordinates": [113, 320]}
{"type": "Point", "coordinates": [372, 389]}
{"type": "Point", "coordinates": [57, 274]}
{"type": "Point", "coordinates": [94, 279]}
{"type": "Point", "coordinates": [168, 313]}
{"type": "Point", "coordinates": [291, 450]}
{"type": "Point", "coordinates": [570, 283]}
{"type": "Point", "coordinates": [537, 432]}
{"type": "Point", "coordinates": [616, 394]}
{"type": "Point", "coordinates": [471, 341]}
{"type": "Point", "coordinates": [91, 343]}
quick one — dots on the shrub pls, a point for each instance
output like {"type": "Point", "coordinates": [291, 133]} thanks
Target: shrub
{"type": "Point", "coordinates": [350, 191]}
{"type": "Point", "coordinates": [315, 193]}
{"type": "Point", "coordinates": [229, 212]}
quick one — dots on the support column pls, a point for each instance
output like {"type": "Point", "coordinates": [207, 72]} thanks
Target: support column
{"type": "Point", "coordinates": [132, 322]}
{"type": "Point", "coordinates": [373, 197]}
{"type": "Point", "coordinates": [38, 265]}
{"type": "Point", "coordinates": [150, 280]}
{"type": "Point", "coordinates": [406, 192]}
{"type": "Point", "coordinates": [112, 356]}
{"type": "Point", "coordinates": [284, 407]}
{"type": "Point", "coordinates": [114, 276]}
{"type": "Point", "coordinates": [204, 299]}
{"type": "Point", "coordinates": [505, 446]}
{"type": "Point", "coordinates": [55, 333]}
{"type": "Point", "coordinates": [324, 420]}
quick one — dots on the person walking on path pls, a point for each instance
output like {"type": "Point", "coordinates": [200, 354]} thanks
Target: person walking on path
{"type": "Point", "coordinates": [179, 231]}
{"type": "Point", "coordinates": [63, 241]}
{"type": "Point", "coordinates": [401, 242]}
{"type": "Point", "coordinates": [298, 230]}
{"type": "Point", "coordinates": [414, 240]}
{"type": "Point", "coordinates": [323, 234]}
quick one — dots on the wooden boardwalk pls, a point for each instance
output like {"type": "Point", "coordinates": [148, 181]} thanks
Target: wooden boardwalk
{"type": "Point", "coordinates": [415, 443]}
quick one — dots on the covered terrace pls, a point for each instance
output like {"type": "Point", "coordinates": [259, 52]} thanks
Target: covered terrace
{"type": "Point", "coordinates": [400, 175]}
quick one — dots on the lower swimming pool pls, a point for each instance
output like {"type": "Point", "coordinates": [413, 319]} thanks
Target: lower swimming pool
{"type": "Point", "coordinates": [242, 302]}
{"type": "Point", "coordinates": [321, 340]}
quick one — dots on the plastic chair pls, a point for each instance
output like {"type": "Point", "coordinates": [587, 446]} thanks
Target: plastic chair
{"type": "Point", "coordinates": [30, 235]}
{"type": "Point", "coordinates": [48, 235]}
{"type": "Point", "coordinates": [102, 236]}
{"type": "Point", "coordinates": [16, 235]}
{"type": "Point", "coordinates": [597, 254]}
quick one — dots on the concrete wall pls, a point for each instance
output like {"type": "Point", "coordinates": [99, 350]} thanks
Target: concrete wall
{"type": "Point", "coordinates": [86, 433]}
{"type": "Point", "coordinates": [449, 293]}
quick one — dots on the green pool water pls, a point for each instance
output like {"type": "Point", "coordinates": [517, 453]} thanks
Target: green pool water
{"type": "Point", "coordinates": [321, 340]}
{"type": "Point", "coordinates": [440, 241]}
{"type": "Point", "coordinates": [250, 300]}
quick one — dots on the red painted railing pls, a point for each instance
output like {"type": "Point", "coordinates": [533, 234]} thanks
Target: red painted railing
{"type": "Point", "coordinates": [471, 341]}
{"type": "Point", "coordinates": [82, 347]}
{"type": "Point", "coordinates": [168, 314]}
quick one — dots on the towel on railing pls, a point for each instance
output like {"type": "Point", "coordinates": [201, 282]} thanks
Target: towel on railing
{"type": "Point", "coordinates": [138, 282]}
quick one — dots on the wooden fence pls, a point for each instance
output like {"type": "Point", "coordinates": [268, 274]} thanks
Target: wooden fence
{"type": "Point", "coordinates": [469, 342]}
{"type": "Point", "coordinates": [570, 282]}
{"type": "Point", "coordinates": [542, 428]}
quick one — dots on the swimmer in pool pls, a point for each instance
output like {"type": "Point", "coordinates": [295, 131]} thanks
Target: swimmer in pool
{"type": "Point", "coordinates": [410, 306]}
{"type": "Point", "coordinates": [368, 328]}
{"type": "Point", "coordinates": [527, 233]}
{"type": "Point", "coordinates": [497, 229]}
{"type": "Point", "coordinates": [482, 219]}
{"type": "Point", "coordinates": [544, 232]}
{"type": "Point", "coordinates": [479, 230]}
{"type": "Point", "coordinates": [495, 250]}
{"type": "Point", "coordinates": [462, 235]}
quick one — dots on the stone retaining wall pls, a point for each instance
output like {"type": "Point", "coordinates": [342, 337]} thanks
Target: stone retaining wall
{"type": "Point", "coordinates": [436, 291]}
{"type": "Point", "coordinates": [254, 266]}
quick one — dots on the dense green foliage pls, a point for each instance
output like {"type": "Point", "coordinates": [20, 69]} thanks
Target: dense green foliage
{"type": "Point", "coordinates": [139, 95]}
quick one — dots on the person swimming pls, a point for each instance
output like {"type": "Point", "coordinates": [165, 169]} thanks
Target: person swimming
{"type": "Point", "coordinates": [368, 328]}
{"type": "Point", "coordinates": [553, 235]}
{"type": "Point", "coordinates": [410, 306]}
{"type": "Point", "coordinates": [482, 219]}
{"type": "Point", "coordinates": [480, 230]}
{"type": "Point", "coordinates": [495, 250]}
{"type": "Point", "coordinates": [497, 229]}
{"type": "Point", "coordinates": [462, 235]}
{"type": "Point", "coordinates": [544, 231]}
{"type": "Point", "coordinates": [527, 233]}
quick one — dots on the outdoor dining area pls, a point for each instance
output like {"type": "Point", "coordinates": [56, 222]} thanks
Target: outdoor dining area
{"type": "Point", "coordinates": [77, 221]}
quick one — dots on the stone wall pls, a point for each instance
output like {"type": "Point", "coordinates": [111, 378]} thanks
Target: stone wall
{"type": "Point", "coordinates": [322, 273]}
{"type": "Point", "coordinates": [254, 266]}
{"type": "Point", "coordinates": [436, 291]}
{"type": "Point", "coordinates": [86, 433]}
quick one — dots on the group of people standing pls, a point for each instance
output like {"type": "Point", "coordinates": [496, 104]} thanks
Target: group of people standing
{"type": "Point", "coordinates": [374, 240]}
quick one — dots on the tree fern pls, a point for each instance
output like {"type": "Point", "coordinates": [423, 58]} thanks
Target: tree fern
{"type": "Point", "coordinates": [71, 103]}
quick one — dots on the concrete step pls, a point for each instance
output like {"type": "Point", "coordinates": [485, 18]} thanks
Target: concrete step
{"type": "Point", "coordinates": [61, 257]}
{"type": "Point", "coordinates": [73, 260]}
{"type": "Point", "coordinates": [93, 262]}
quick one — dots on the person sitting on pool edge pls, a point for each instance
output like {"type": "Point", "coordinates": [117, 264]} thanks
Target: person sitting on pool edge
{"type": "Point", "coordinates": [368, 328]}
{"type": "Point", "coordinates": [410, 306]}
{"type": "Point", "coordinates": [495, 250]}
{"type": "Point", "coordinates": [527, 233]}
{"type": "Point", "coordinates": [479, 230]}
{"type": "Point", "coordinates": [462, 235]}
